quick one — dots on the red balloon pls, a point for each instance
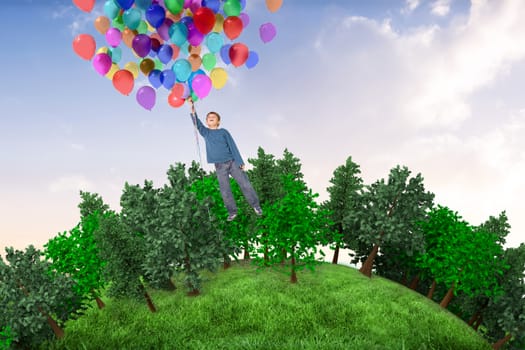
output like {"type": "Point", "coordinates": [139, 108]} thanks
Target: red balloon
{"type": "Point", "coordinates": [178, 90]}
{"type": "Point", "coordinates": [238, 54]}
{"type": "Point", "coordinates": [232, 27]}
{"type": "Point", "coordinates": [174, 100]}
{"type": "Point", "coordinates": [123, 81]}
{"type": "Point", "coordinates": [85, 5]}
{"type": "Point", "coordinates": [84, 46]}
{"type": "Point", "coordinates": [204, 20]}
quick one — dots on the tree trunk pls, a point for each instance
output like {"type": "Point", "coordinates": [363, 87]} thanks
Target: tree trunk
{"type": "Point", "coordinates": [283, 258]}
{"type": "Point", "coordinates": [193, 293]}
{"type": "Point", "coordinates": [474, 318]}
{"type": "Point", "coordinates": [448, 297]}
{"type": "Point", "coordinates": [293, 279]}
{"type": "Point", "coordinates": [415, 282]}
{"type": "Point", "coordinates": [497, 345]}
{"type": "Point", "coordinates": [478, 323]}
{"type": "Point", "coordinates": [246, 252]}
{"type": "Point", "coordinates": [151, 307]}
{"type": "Point", "coordinates": [335, 259]}
{"type": "Point", "coordinates": [100, 303]}
{"type": "Point", "coordinates": [366, 269]}
{"type": "Point", "coordinates": [59, 332]}
{"type": "Point", "coordinates": [432, 289]}
{"type": "Point", "coordinates": [226, 264]}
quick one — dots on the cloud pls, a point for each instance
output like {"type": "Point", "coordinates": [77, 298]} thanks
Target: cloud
{"type": "Point", "coordinates": [71, 183]}
{"type": "Point", "coordinates": [410, 6]}
{"type": "Point", "coordinates": [440, 7]}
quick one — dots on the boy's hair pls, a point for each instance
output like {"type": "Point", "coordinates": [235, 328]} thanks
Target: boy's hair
{"type": "Point", "coordinates": [217, 114]}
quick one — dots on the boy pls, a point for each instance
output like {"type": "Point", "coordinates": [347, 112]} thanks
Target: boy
{"type": "Point", "coordinates": [222, 151]}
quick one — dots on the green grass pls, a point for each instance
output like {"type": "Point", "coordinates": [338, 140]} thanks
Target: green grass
{"type": "Point", "coordinates": [335, 307]}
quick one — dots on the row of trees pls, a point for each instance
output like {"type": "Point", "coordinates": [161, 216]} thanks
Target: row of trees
{"type": "Point", "coordinates": [392, 227]}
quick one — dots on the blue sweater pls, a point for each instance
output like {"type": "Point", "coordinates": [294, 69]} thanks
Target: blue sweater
{"type": "Point", "coordinates": [220, 146]}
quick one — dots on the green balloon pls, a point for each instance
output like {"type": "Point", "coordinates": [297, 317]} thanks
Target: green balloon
{"type": "Point", "coordinates": [118, 22]}
{"type": "Point", "coordinates": [174, 6]}
{"type": "Point", "coordinates": [142, 27]}
{"type": "Point", "coordinates": [158, 64]}
{"type": "Point", "coordinates": [209, 61]}
{"type": "Point", "coordinates": [232, 8]}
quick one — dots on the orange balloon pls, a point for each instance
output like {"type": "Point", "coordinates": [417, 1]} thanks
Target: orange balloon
{"type": "Point", "coordinates": [85, 5]}
{"type": "Point", "coordinates": [176, 51]}
{"type": "Point", "coordinates": [195, 61]}
{"type": "Point", "coordinates": [102, 24]}
{"type": "Point", "coordinates": [274, 5]}
{"type": "Point", "coordinates": [146, 66]}
{"type": "Point", "coordinates": [84, 46]}
{"type": "Point", "coordinates": [175, 101]}
{"type": "Point", "coordinates": [194, 50]}
{"type": "Point", "coordinates": [123, 81]}
{"type": "Point", "coordinates": [127, 36]}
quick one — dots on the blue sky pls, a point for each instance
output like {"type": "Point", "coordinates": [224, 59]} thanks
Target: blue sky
{"type": "Point", "coordinates": [435, 85]}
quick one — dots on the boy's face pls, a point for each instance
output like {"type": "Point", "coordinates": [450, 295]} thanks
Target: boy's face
{"type": "Point", "coordinates": [212, 121]}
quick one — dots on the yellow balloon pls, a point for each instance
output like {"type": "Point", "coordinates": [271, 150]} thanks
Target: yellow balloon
{"type": "Point", "coordinates": [219, 21]}
{"type": "Point", "coordinates": [218, 77]}
{"type": "Point", "coordinates": [150, 27]}
{"type": "Point", "coordinates": [133, 68]}
{"type": "Point", "coordinates": [103, 50]}
{"type": "Point", "coordinates": [114, 68]}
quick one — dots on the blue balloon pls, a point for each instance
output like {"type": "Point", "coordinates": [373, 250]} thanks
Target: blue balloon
{"type": "Point", "coordinates": [187, 20]}
{"type": "Point", "coordinates": [111, 9]}
{"type": "Point", "coordinates": [125, 4]}
{"type": "Point", "coordinates": [165, 53]}
{"type": "Point", "coordinates": [213, 5]}
{"type": "Point", "coordinates": [116, 54]}
{"type": "Point", "coordinates": [143, 4]}
{"type": "Point", "coordinates": [253, 59]}
{"type": "Point", "coordinates": [155, 15]}
{"type": "Point", "coordinates": [167, 78]}
{"type": "Point", "coordinates": [154, 78]}
{"type": "Point", "coordinates": [182, 69]}
{"type": "Point", "coordinates": [225, 53]}
{"type": "Point", "coordinates": [178, 33]}
{"type": "Point", "coordinates": [214, 42]}
{"type": "Point", "coordinates": [132, 18]}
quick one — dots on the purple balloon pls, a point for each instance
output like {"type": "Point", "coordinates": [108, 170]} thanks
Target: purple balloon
{"type": "Point", "coordinates": [141, 44]}
{"type": "Point", "coordinates": [164, 29]}
{"type": "Point", "coordinates": [102, 63]}
{"type": "Point", "coordinates": [113, 37]}
{"type": "Point", "coordinates": [245, 19]}
{"type": "Point", "coordinates": [267, 32]}
{"type": "Point", "coordinates": [195, 37]}
{"type": "Point", "coordinates": [146, 97]}
{"type": "Point", "coordinates": [201, 85]}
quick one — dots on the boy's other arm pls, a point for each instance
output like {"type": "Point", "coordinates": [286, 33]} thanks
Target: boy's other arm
{"type": "Point", "coordinates": [235, 151]}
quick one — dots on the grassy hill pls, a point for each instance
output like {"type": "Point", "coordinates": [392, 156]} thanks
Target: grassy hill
{"type": "Point", "coordinates": [335, 307]}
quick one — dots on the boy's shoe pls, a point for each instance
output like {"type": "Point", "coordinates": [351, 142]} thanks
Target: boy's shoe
{"type": "Point", "coordinates": [231, 217]}
{"type": "Point", "coordinates": [258, 211]}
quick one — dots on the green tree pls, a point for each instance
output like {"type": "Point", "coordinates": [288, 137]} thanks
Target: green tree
{"type": "Point", "coordinates": [504, 317]}
{"type": "Point", "coordinates": [458, 256]}
{"type": "Point", "coordinates": [91, 203]}
{"type": "Point", "coordinates": [123, 251]}
{"type": "Point", "coordinates": [296, 225]}
{"type": "Point", "coordinates": [6, 338]}
{"type": "Point", "coordinates": [188, 229]}
{"type": "Point", "coordinates": [75, 254]}
{"type": "Point", "coordinates": [388, 213]}
{"type": "Point", "coordinates": [265, 177]}
{"type": "Point", "coordinates": [31, 295]}
{"type": "Point", "coordinates": [343, 199]}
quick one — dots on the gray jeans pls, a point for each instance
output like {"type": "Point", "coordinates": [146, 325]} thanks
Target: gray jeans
{"type": "Point", "coordinates": [224, 170]}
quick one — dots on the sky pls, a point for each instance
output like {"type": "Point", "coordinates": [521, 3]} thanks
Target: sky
{"type": "Point", "coordinates": [434, 85]}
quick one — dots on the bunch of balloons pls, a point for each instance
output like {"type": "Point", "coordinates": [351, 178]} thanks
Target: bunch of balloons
{"type": "Point", "coordinates": [177, 45]}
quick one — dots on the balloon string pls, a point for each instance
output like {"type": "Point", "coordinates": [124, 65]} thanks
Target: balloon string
{"type": "Point", "coordinates": [194, 119]}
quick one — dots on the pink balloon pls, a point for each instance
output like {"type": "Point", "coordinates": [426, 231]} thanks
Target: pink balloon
{"type": "Point", "coordinates": [146, 97]}
{"type": "Point", "coordinates": [267, 32]}
{"type": "Point", "coordinates": [201, 85]}
{"type": "Point", "coordinates": [113, 37]}
{"type": "Point", "coordinates": [102, 63]}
